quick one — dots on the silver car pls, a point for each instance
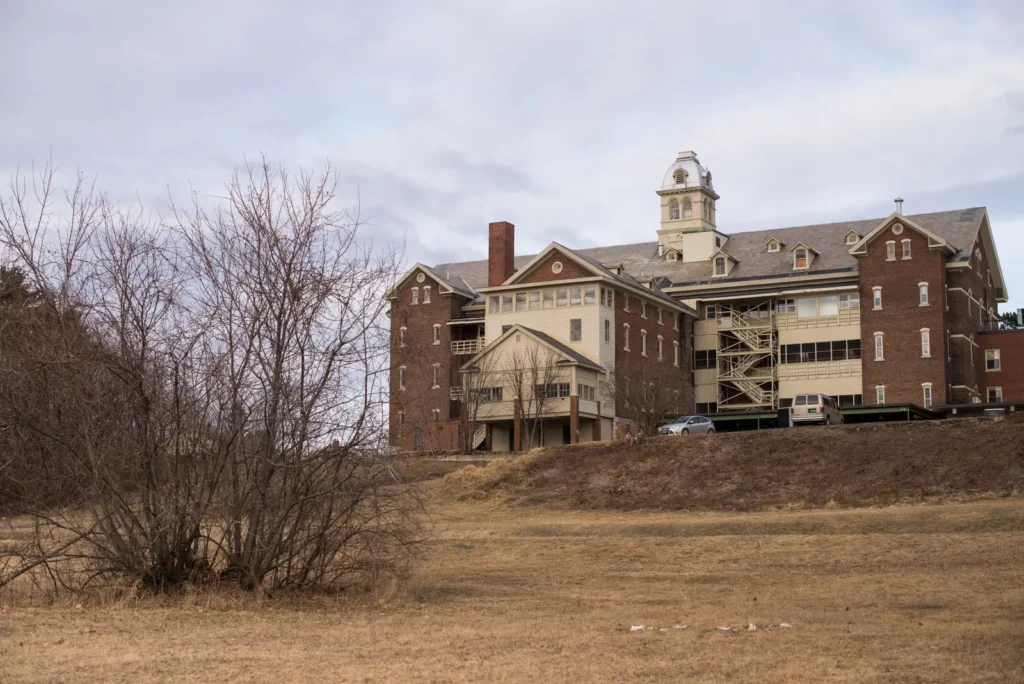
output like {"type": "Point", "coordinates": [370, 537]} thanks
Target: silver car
{"type": "Point", "coordinates": [684, 425]}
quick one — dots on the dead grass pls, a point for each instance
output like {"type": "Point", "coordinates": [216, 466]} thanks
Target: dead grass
{"type": "Point", "coordinates": [904, 594]}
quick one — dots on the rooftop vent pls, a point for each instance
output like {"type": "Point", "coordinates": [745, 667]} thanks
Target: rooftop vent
{"type": "Point", "coordinates": [899, 205]}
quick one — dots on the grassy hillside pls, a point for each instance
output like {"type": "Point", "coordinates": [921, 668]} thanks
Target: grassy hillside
{"type": "Point", "coordinates": [856, 465]}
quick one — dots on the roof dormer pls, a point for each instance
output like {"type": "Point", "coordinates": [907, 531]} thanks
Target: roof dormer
{"type": "Point", "coordinates": [853, 237]}
{"type": "Point", "coordinates": [672, 254]}
{"type": "Point", "coordinates": [722, 264]}
{"type": "Point", "coordinates": [774, 245]}
{"type": "Point", "coordinates": [803, 256]}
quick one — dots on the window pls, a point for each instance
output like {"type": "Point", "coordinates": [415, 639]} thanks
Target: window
{"type": "Point", "coordinates": [556, 267]}
{"type": "Point", "coordinates": [879, 394]}
{"type": "Point", "coordinates": [401, 417]}
{"type": "Point", "coordinates": [926, 394]}
{"type": "Point", "coordinates": [520, 301]}
{"type": "Point", "coordinates": [705, 360]}
{"type": "Point", "coordinates": [625, 303]}
{"type": "Point", "coordinates": [562, 297]}
{"type": "Point", "coordinates": [687, 208]}
{"type": "Point", "coordinates": [535, 301]}
{"type": "Point", "coordinates": [589, 295]}
{"type": "Point", "coordinates": [490, 394]}
{"type": "Point", "coordinates": [607, 331]}
{"type": "Point", "coordinates": [828, 306]}
{"type": "Point", "coordinates": [926, 343]}
{"type": "Point", "coordinates": [849, 301]}
{"type": "Point", "coordinates": [492, 304]}
{"type": "Point", "coordinates": [995, 395]}
{"type": "Point", "coordinates": [549, 299]}
{"type": "Point", "coordinates": [710, 407]}
{"type": "Point", "coordinates": [876, 293]}
{"type": "Point", "coordinates": [401, 336]}
{"type": "Point", "coordinates": [585, 392]}
{"type": "Point", "coordinates": [673, 209]}
{"type": "Point", "coordinates": [680, 176]}
{"type": "Point", "coordinates": [879, 347]}
{"type": "Point", "coordinates": [851, 238]}
{"type": "Point", "coordinates": [922, 294]}
{"type": "Point", "coordinates": [661, 347]}
{"type": "Point", "coordinates": [807, 307]}
{"type": "Point", "coordinates": [643, 309]}
{"type": "Point", "coordinates": [800, 258]}
{"type": "Point", "coordinates": [661, 316]}
{"type": "Point", "coordinates": [675, 321]}
{"type": "Point", "coordinates": [401, 378]}
{"type": "Point", "coordinates": [643, 343]}
{"type": "Point", "coordinates": [675, 353]}
{"type": "Point", "coordinates": [787, 306]}
{"type": "Point", "coordinates": [575, 329]}
{"type": "Point", "coordinates": [906, 249]}
{"type": "Point", "coordinates": [437, 333]}
{"type": "Point", "coordinates": [575, 296]}
{"type": "Point", "coordinates": [890, 250]}
{"type": "Point", "coordinates": [437, 376]}
{"type": "Point", "coordinates": [506, 303]}
{"type": "Point", "coordinates": [435, 415]}
{"type": "Point", "coordinates": [554, 390]}
{"type": "Point", "coordinates": [710, 312]}
{"type": "Point", "coordinates": [773, 245]}
{"type": "Point", "coordinates": [625, 336]}
{"type": "Point", "coordinates": [415, 295]}
{"type": "Point", "coordinates": [426, 294]}
{"type": "Point", "coordinates": [947, 297]}
{"type": "Point", "coordinates": [992, 361]}
{"type": "Point", "coordinates": [719, 266]}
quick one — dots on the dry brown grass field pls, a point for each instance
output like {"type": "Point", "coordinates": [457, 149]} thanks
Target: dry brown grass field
{"type": "Point", "coordinates": [900, 594]}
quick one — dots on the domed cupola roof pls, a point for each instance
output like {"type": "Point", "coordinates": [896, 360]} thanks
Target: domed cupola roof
{"type": "Point", "coordinates": [687, 172]}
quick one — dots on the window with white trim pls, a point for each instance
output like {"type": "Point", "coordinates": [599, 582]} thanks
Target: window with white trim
{"type": "Point", "coordinates": [673, 209]}
{"type": "Point", "coordinates": [435, 415]}
{"type": "Point", "coordinates": [625, 337]}
{"type": "Point", "coordinates": [426, 294]}
{"type": "Point", "coordinates": [520, 301]}
{"type": "Point", "coordinates": [506, 303]}
{"type": "Point", "coordinates": [926, 343]}
{"type": "Point", "coordinates": [890, 250]}
{"type": "Point", "coordinates": [575, 329]}
{"type": "Point", "coordinates": [906, 249]}
{"type": "Point", "coordinates": [995, 395]}
{"type": "Point", "coordinates": [879, 347]}
{"type": "Point", "coordinates": [643, 309]}
{"type": "Point", "coordinates": [922, 294]}
{"type": "Point", "coordinates": [992, 360]}
{"type": "Point", "coordinates": [926, 394]}
{"type": "Point", "coordinates": [675, 354]}
{"type": "Point", "coordinates": [661, 316]}
{"type": "Point", "coordinates": [535, 301]}
{"type": "Point", "coordinates": [401, 417]}
{"type": "Point", "coordinates": [401, 378]}
{"type": "Point", "coordinates": [687, 208]}
{"type": "Point", "coordinates": [548, 298]}
{"type": "Point", "coordinates": [800, 258]}
{"type": "Point", "coordinates": [773, 245]}
{"type": "Point", "coordinates": [493, 304]}
{"type": "Point", "coordinates": [437, 333]}
{"type": "Point", "coordinates": [643, 343]}
{"type": "Point", "coordinates": [415, 295]}
{"type": "Point", "coordinates": [876, 294]}
{"type": "Point", "coordinates": [970, 301]}
{"type": "Point", "coordinates": [947, 297]}
{"type": "Point", "coordinates": [852, 238]}
{"type": "Point", "coordinates": [625, 303]}
{"type": "Point", "coordinates": [879, 394]}
{"type": "Point", "coordinates": [437, 376]}
{"type": "Point", "coordinates": [719, 266]}
{"type": "Point", "coordinates": [675, 321]}
{"type": "Point", "coordinates": [607, 331]}
{"type": "Point", "coordinates": [661, 347]}
{"type": "Point", "coordinates": [401, 336]}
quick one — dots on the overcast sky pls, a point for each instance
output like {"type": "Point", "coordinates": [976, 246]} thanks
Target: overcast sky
{"type": "Point", "coordinates": [560, 116]}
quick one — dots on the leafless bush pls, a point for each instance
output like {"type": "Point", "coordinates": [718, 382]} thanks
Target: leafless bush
{"type": "Point", "coordinates": [207, 393]}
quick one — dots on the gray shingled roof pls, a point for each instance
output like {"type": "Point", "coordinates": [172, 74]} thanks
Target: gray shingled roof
{"type": "Point", "coordinates": [958, 227]}
{"type": "Point", "coordinates": [568, 351]}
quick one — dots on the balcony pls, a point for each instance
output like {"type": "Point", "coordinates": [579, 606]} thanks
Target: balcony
{"type": "Point", "coordinates": [456, 394]}
{"type": "Point", "coordinates": [464, 347]}
{"type": "Point", "coordinates": [820, 369]}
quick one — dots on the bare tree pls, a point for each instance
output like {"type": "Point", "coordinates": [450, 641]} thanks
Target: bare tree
{"type": "Point", "coordinates": [481, 385]}
{"type": "Point", "coordinates": [642, 396]}
{"type": "Point", "coordinates": [532, 377]}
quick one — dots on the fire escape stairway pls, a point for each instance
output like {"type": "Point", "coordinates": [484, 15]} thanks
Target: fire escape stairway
{"type": "Point", "coordinates": [758, 341]}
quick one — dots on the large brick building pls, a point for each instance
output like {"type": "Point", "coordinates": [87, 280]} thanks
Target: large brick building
{"type": "Point", "coordinates": [574, 344]}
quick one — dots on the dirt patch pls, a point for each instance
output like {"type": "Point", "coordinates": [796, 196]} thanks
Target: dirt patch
{"type": "Point", "coordinates": [843, 466]}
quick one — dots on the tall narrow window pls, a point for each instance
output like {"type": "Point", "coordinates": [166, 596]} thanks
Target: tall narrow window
{"type": "Point", "coordinates": [890, 250]}
{"type": "Point", "coordinates": [607, 331]}
{"type": "Point", "coordinates": [926, 394]}
{"type": "Point", "coordinates": [879, 347]}
{"type": "Point", "coordinates": [415, 295]}
{"type": "Point", "coordinates": [625, 336]}
{"type": "Point", "coordinates": [879, 394]}
{"type": "Point", "coordinates": [562, 297]}
{"type": "Point", "coordinates": [575, 296]}
{"type": "Point", "coordinates": [992, 360]}
{"type": "Point", "coordinates": [625, 303]}
{"type": "Point", "coordinates": [401, 378]}
{"type": "Point", "coordinates": [535, 301]}
{"type": "Point", "coordinates": [437, 333]}
{"type": "Point", "coordinates": [437, 375]}
{"type": "Point", "coordinates": [643, 309]}
{"type": "Point", "coordinates": [643, 343]}
{"type": "Point", "coordinates": [426, 294]}
{"type": "Point", "coordinates": [520, 301]}
{"type": "Point", "coordinates": [687, 208]}
{"type": "Point", "coordinates": [575, 329]}
{"type": "Point", "coordinates": [906, 249]}
{"type": "Point", "coordinates": [675, 353]}
{"type": "Point", "coordinates": [877, 297]}
{"type": "Point", "coordinates": [800, 258]}
{"type": "Point", "coordinates": [719, 266]}
{"type": "Point", "coordinates": [661, 347]}
{"type": "Point", "coordinates": [661, 318]}
{"type": "Point", "coordinates": [922, 291]}
{"type": "Point", "coordinates": [675, 321]}
{"type": "Point", "coordinates": [549, 299]}
{"type": "Point", "coordinates": [673, 209]}
{"type": "Point", "coordinates": [401, 336]}
{"type": "Point", "coordinates": [492, 304]}
{"type": "Point", "coordinates": [926, 343]}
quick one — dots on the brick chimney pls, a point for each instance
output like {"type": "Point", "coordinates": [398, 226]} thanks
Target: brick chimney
{"type": "Point", "coordinates": [500, 253]}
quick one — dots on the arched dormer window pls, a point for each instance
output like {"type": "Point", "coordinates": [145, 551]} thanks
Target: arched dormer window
{"type": "Point", "coordinates": [800, 259]}
{"type": "Point", "coordinates": [707, 179]}
{"type": "Point", "coordinates": [687, 208]}
{"type": "Point", "coordinates": [680, 176]}
{"type": "Point", "coordinates": [673, 209]}
{"type": "Point", "coordinates": [773, 245]}
{"type": "Point", "coordinates": [852, 238]}
{"type": "Point", "coordinates": [720, 266]}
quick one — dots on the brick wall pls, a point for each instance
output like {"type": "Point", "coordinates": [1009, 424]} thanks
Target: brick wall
{"type": "Point", "coordinates": [1010, 375]}
{"type": "Point", "coordinates": [542, 272]}
{"type": "Point", "coordinates": [969, 293]}
{"type": "Point", "coordinates": [901, 319]}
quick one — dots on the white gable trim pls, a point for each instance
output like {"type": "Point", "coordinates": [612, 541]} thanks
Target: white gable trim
{"type": "Point", "coordinates": [443, 287]}
{"type": "Point", "coordinates": [934, 241]}
{"type": "Point", "coordinates": [544, 254]}
{"type": "Point", "coordinates": [517, 328]}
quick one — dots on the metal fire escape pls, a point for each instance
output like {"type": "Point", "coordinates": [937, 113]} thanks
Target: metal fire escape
{"type": "Point", "coordinates": [747, 339]}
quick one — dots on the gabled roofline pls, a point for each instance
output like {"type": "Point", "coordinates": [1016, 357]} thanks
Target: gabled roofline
{"type": "Point", "coordinates": [805, 246]}
{"type": "Point", "coordinates": [726, 255]}
{"type": "Point", "coordinates": [934, 241]}
{"type": "Point", "coordinates": [985, 236]}
{"type": "Point", "coordinates": [518, 327]}
{"type": "Point", "coordinates": [443, 287]}
{"type": "Point", "coordinates": [543, 254]}
{"type": "Point", "coordinates": [666, 301]}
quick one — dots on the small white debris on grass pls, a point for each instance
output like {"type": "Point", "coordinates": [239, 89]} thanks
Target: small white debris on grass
{"type": "Point", "coordinates": [751, 627]}
{"type": "Point", "coordinates": [636, 628]}
{"type": "Point", "coordinates": [724, 629]}
{"type": "Point", "coordinates": [785, 625]}
{"type": "Point", "coordinates": [678, 626]}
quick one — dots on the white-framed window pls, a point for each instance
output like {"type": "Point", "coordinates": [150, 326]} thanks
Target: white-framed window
{"type": "Point", "coordinates": [849, 301]}
{"type": "Point", "coordinates": [949, 351]}
{"type": "Point", "coordinates": [493, 304]}
{"type": "Point", "coordinates": [675, 353]}
{"type": "Point", "coordinates": [520, 301]}
{"type": "Point", "coordinates": [687, 208]}
{"type": "Point", "coordinates": [879, 346]}
{"type": "Point", "coordinates": [575, 296]}
{"type": "Point", "coordinates": [575, 329]}
{"type": "Point", "coordinates": [535, 301]}
{"type": "Point", "coordinates": [548, 299]}
{"type": "Point", "coordinates": [970, 302]}
{"type": "Point", "coordinates": [800, 258]}
{"type": "Point", "coordinates": [607, 331]}
{"type": "Point", "coordinates": [675, 321]}
{"type": "Point", "coordinates": [947, 297]}
{"type": "Point", "coordinates": [643, 309]}
{"type": "Point", "coordinates": [437, 376]}
{"type": "Point", "coordinates": [922, 294]}
{"type": "Point", "coordinates": [401, 378]}
{"type": "Point", "coordinates": [661, 316]}
{"type": "Point", "coordinates": [890, 250]}
{"type": "Point", "coordinates": [852, 238]}
{"type": "Point", "coordinates": [926, 343]}
{"type": "Point", "coordinates": [879, 394]}
{"type": "Point", "coordinates": [719, 266]}
{"type": "Point", "coordinates": [402, 332]}
{"type": "Point", "coordinates": [673, 209]}
{"type": "Point", "coordinates": [562, 297]}
{"type": "Point", "coordinates": [992, 360]}
{"type": "Point", "coordinates": [995, 394]}
{"type": "Point", "coordinates": [906, 249]}
{"type": "Point", "coordinates": [710, 312]}
{"type": "Point", "coordinates": [661, 347]}
{"type": "Point", "coordinates": [926, 394]}
{"type": "Point", "coordinates": [643, 343]}
{"type": "Point", "coordinates": [401, 417]}
{"type": "Point", "coordinates": [876, 298]}
{"type": "Point", "coordinates": [506, 303]}
{"type": "Point", "coordinates": [415, 295]}
{"type": "Point", "coordinates": [625, 303]}
{"type": "Point", "coordinates": [437, 333]}
{"type": "Point", "coordinates": [773, 245]}
{"type": "Point", "coordinates": [435, 415]}
{"type": "Point", "coordinates": [625, 337]}
{"type": "Point", "coordinates": [426, 294]}
{"type": "Point", "coordinates": [589, 295]}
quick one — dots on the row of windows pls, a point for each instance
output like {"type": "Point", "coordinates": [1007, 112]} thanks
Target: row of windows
{"type": "Point", "coordinates": [829, 305]}
{"type": "Point", "coordinates": [922, 296]}
{"type": "Point", "coordinates": [643, 344]}
{"type": "Point", "coordinates": [552, 390]}
{"type": "Point", "coordinates": [926, 345]}
{"type": "Point", "coordinates": [548, 299]}
{"type": "Point", "coordinates": [890, 250]}
{"type": "Point", "coordinates": [812, 352]}
{"type": "Point", "coordinates": [402, 373]}
{"type": "Point", "coordinates": [926, 394]}
{"type": "Point", "coordinates": [403, 335]}
{"type": "Point", "coordinates": [416, 295]}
